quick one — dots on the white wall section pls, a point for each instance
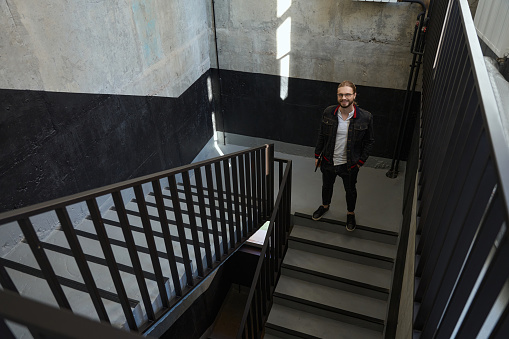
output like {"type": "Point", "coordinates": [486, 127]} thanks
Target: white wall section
{"type": "Point", "coordinates": [132, 47]}
{"type": "Point", "coordinates": [331, 40]}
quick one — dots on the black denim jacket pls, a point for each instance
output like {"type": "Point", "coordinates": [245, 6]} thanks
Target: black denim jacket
{"type": "Point", "coordinates": [360, 136]}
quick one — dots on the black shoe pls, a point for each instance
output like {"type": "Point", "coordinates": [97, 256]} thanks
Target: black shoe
{"type": "Point", "coordinates": [320, 212]}
{"type": "Point", "coordinates": [350, 222]}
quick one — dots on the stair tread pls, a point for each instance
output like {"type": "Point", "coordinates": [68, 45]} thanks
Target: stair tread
{"type": "Point", "coordinates": [344, 241]}
{"type": "Point", "coordinates": [335, 226]}
{"type": "Point", "coordinates": [374, 276]}
{"type": "Point", "coordinates": [270, 336]}
{"type": "Point", "coordinates": [316, 326]}
{"type": "Point", "coordinates": [332, 297]}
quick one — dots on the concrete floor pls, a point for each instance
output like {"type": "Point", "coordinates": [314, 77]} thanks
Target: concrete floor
{"type": "Point", "coordinates": [379, 201]}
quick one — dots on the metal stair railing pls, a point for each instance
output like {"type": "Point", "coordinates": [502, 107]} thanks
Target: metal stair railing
{"type": "Point", "coordinates": [268, 269]}
{"type": "Point", "coordinates": [230, 197]}
{"type": "Point", "coordinates": [462, 242]}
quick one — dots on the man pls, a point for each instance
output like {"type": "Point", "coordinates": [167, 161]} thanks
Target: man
{"type": "Point", "coordinates": [345, 141]}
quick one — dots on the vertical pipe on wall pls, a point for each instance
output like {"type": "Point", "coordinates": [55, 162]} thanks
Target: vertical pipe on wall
{"type": "Point", "coordinates": [218, 70]}
{"type": "Point", "coordinates": [417, 40]}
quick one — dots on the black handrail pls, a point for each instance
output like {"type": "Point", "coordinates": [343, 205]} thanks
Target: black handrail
{"type": "Point", "coordinates": [462, 241]}
{"type": "Point", "coordinates": [268, 269]}
{"type": "Point", "coordinates": [228, 192]}
{"type": "Point", "coordinates": [55, 323]}
{"type": "Point", "coordinates": [28, 211]}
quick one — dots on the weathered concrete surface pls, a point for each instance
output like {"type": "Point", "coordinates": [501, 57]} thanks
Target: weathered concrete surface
{"type": "Point", "coordinates": [131, 47]}
{"type": "Point", "coordinates": [330, 40]}
{"type": "Point", "coordinates": [139, 47]}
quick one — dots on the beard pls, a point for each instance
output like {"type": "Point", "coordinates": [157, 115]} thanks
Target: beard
{"type": "Point", "coordinates": [345, 103]}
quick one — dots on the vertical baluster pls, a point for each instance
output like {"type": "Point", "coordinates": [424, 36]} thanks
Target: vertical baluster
{"type": "Point", "coordinates": [281, 168]}
{"type": "Point", "coordinates": [270, 179]}
{"type": "Point", "coordinates": [254, 189]}
{"type": "Point", "coordinates": [249, 196]}
{"type": "Point", "coordinates": [78, 255]}
{"type": "Point", "coordinates": [260, 173]}
{"type": "Point", "coordinates": [151, 244]}
{"type": "Point", "coordinates": [220, 191]}
{"type": "Point", "coordinates": [111, 262]}
{"type": "Point", "coordinates": [265, 195]}
{"type": "Point", "coordinates": [285, 214]}
{"type": "Point", "coordinates": [277, 233]}
{"type": "Point", "coordinates": [6, 332]}
{"type": "Point", "coordinates": [192, 223]}
{"type": "Point", "coordinates": [281, 229]}
{"type": "Point", "coordinates": [251, 327]}
{"type": "Point", "coordinates": [243, 197]}
{"type": "Point", "coordinates": [158, 194]}
{"type": "Point", "coordinates": [287, 205]}
{"type": "Point", "coordinates": [236, 204]}
{"type": "Point", "coordinates": [275, 242]}
{"type": "Point", "coordinates": [203, 215]}
{"type": "Point", "coordinates": [228, 191]}
{"type": "Point", "coordinates": [254, 310]}
{"type": "Point", "coordinates": [8, 284]}
{"type": "Point", "coordinates": [501, 329]}
{"type": "Point", "coordinates": [273, 255]}
{"type": "Point", "coordinates": [255, 324]}
{"type": "Point", "coordinates": [180, 228]}
{"type": "Point", "coordinates": [133, 254]}
{"type": "Point", "coordinates": [5, 279]}
{"type": "Point", "coordinates": [489, 290]}
{"type": "Point", "coordinates": [262, 281]}
{"type": "Point", "coordinates": [44, 264]}
{"type": "Point", "coordinates": [258, 301]}
{"type": "Point", "coordinates": [213, 211]}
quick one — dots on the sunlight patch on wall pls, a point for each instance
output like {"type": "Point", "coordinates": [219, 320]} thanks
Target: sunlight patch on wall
{"type": "Point", "coordinates": [214, 129]}
{"type": "Point", "coordinates": [282, 7]}
{"type": "Point", "coordinates": [283, 35]}
{"type": "Point", "coordinates": [285, 73]}
{"type": "Point", "coordinates": [209, 89]}
{"type": "Point", "coordinates": [283, 38]}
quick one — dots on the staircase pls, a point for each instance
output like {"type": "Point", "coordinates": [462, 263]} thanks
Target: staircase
{"type": "Point", "coordinates": [68, 273]}
{"type": "Point", "coordinates": [131, 264]}
{"type": "Point", "coordinates": [334, 283]}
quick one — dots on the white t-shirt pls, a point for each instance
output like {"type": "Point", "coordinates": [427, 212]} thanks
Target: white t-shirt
{"type": "Point", "coordinates": [339, 157]}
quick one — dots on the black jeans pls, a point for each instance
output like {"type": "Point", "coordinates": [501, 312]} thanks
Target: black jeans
{"type": "Point", "coordinates": [329, 173]}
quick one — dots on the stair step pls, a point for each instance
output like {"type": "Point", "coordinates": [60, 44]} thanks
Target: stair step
{"type": "Point", "coordinates": [332, 299]}
{"type": "Point", "coordinates": [288, 322]}
{"type": "Point", "coordinates": [343, 246]}
{"type": "Point", "coordinates": [360, 275]}
{"type": "Point", "coordinates": [271, 336]}
{"type": "Point", "coordinates": [362, 232]}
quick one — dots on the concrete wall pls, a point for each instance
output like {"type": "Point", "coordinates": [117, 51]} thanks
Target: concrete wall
{"type": "Point", "coordinates": [328, 40]}
{"type": "Point", "coordinates": [280, 62]}
{"type": "Point", "coordinates": [97, 92]}
{"type": "Point", "coordinates": [79, 81]}
{"type": "Point", "coordinates": [138, 47]}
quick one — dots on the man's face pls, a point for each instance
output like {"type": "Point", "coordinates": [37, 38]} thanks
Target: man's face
{"type": "Point", "coordinates": [346, 96]}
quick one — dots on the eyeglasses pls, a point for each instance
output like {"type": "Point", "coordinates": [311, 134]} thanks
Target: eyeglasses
{"type": "Point", "coordinates": [348, 95]}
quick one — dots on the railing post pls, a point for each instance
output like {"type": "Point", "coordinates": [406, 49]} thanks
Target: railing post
{"type": "Point", "coordinates": [269, 173]}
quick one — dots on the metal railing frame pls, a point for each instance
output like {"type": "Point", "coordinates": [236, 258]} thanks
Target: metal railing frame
{"type": "Point", "coordinates": [244, 182]}
{"type": "Point", "coordinates": [268, 269]}
{"type": "Point", "coordinates": [462, 240]}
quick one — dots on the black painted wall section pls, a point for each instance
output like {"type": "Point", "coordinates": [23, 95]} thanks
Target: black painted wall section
{"type": "Point", "coordinates": [55, 144]}
{"type": "Point", "coordinates": [252, 106]}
